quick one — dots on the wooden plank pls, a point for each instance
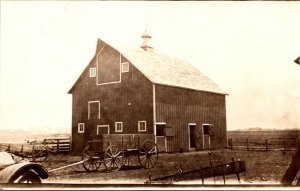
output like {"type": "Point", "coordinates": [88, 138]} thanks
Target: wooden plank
{"type": "Point", "coordinates": [206, 172]}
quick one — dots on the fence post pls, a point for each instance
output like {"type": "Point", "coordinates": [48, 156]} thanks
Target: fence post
{"type": "Point", "coordinates": [231, 144]}
{"type": "Point", "coordinates": [247, 144]}
{"type": "Point", "coordinates": [8, 148]}
{"type": "Point", "coordinates": [267, 148]}
{"type": "Point", "coordinates": [57, 145]}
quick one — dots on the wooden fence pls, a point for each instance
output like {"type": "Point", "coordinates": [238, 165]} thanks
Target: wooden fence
{"type": "Point", "coordinates": [284, 144]}
{"type": "Point", "coordinates": [58, 145]}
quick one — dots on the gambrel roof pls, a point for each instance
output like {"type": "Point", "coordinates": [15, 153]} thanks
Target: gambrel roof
{"type": "Point", "coordinates": [169, 71]}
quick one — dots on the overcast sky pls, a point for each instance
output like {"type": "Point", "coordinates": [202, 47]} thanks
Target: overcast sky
{"type": "Point", "coordinates": [247, 48]}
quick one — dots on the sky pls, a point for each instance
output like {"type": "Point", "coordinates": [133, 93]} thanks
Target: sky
{"type": "Point", "coordinates": [247, 48]}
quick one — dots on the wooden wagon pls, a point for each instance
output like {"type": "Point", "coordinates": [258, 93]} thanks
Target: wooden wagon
{"type": "Point", "coordinates": [114, 151]}
{"type": "Point", "coordinates": [33, 153]}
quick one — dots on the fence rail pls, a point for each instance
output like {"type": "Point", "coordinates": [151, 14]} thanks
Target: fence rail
{"type": "Point", "coordinates": [284, 144]}
{"type": "Point", "coordinates": [58, 145]}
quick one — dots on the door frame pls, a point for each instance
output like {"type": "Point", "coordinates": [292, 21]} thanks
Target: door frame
{"type": "Point", "coordinates": [189, 134]}
{"type": "Point", "coordinates": [161, 123]}
{"type": "Point", "coordinates": [101, 126]}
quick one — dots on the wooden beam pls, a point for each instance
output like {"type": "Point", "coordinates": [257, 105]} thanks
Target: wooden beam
{"type": "Point", "coordinates": [206, 172]}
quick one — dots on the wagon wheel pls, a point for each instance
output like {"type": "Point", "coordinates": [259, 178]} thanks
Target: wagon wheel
{"type": "Point", "coordinates": [148, 154]}
{"type": "Point", "coordinates": [113, 158]}
{"type": "Point", "coordinates": [91, 161]}
{"type": "Point", "coordinates": [39, 153]}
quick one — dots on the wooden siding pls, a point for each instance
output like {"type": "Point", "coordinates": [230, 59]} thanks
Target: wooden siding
{"type": "Point", "coordinates": [108, 65]}
{"type": "Point", "coordinates": [178, 107]}
{"type": "Point", "coordinates": [129, 101]}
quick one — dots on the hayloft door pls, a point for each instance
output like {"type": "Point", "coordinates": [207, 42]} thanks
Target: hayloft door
{"type": "Point", "coordinates": [192, 143]}
{"type": "Point", "coordinates": [161, 137]}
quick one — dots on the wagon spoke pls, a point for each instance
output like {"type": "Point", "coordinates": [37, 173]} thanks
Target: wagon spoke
{"type": "Point", "coordinates": [149, 162]}
{"type": "Point", "coordinates": [150, 159]}
{"type": "Point", "coordinates": [118, 153]}
{"type": "Point", "coordinates": [142, 161]}
{"type": "Point", "coordinates": [143, 156]}
{"type": "Point", "coordinates": [145, 162]}
{"type": "Point", "coordinates": [152, 150]}
{"type": "Point", "coordinates": [110, 155]}
{"type": "Point", "coordinates": [119, 160]}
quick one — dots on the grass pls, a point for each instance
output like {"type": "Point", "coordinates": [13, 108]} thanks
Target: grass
{"type": "Point", "coordinates": [262, 167]}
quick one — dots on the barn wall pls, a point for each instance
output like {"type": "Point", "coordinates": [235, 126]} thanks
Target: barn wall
{"type": "Point", "coordinates": [129, 101]}
{"type": "Point", "coordinates": [178, 107]}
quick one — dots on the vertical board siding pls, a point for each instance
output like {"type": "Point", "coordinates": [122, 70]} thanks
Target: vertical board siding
{"type": "Point", "coordinates": [178, 107]}
{"type": "Point", "coordinates": [128, 102]}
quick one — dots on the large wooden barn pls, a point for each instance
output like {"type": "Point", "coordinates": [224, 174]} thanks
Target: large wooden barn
{"type": "Point", "coordinates": [138, 91]}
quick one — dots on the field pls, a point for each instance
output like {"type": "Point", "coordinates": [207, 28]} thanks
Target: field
{"type": "Point", "coordinates": [262, 168]}
{"type": "Point", "coordinates": [264, 140]}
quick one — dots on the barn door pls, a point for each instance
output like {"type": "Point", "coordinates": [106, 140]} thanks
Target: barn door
{"type": "Point", "coordinates": [192, 143]}
{"type": "Point", "coordinates": [206, 135]}
{"type": "Point", "coordinates": [161, 137]}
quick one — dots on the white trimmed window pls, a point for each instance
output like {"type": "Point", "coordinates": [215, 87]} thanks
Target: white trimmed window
{"type": "Point", "coordinates": [92, 72]}
{"type": "Point", "coordinates": [80, 127]}
{"type": "Point", "coordinates": [125, 67]}
{"type": "Point", "coordinates": [142, 126]}
{"type": "Point", "coordinates": [119, 127]}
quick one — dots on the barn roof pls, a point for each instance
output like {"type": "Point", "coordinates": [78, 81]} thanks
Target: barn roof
{"type": "Point", "coordinates": [166, 70]}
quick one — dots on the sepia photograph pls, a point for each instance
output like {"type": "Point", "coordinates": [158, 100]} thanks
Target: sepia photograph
{"type": "Point", "coordinates": [150, 95]}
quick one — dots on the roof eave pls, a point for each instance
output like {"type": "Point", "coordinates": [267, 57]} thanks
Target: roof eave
{"type": "Point", "coordinates": [221, 93]}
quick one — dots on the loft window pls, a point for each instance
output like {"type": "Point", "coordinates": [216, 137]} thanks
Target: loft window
{"type": "Point", "coordinates": [80, 127]}
{"type": "Point", "coordinates": [125, 67]}
{"type": "Point", "coordinates": [94, 110]}
{"type": "Point", "coordinates": [142, 126]}
{"type": "Point", "coordinates": [118, 126]}
{"type": "Point", "coordinates": [92, 72]}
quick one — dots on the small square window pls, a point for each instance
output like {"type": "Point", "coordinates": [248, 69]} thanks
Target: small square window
{"type": "Point", "coordinates": [118, 126]}
{"type": "Point", "coordinates": [80, 127]}
{"type": "Point", "coordinates": [92, 72]}
{"type": "Point", "coordinates": [125, 67]}
{"type": "Point", "coordinates": [142, 126]}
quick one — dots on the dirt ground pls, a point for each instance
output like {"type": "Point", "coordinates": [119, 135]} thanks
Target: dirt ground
{"type": "Point", "coordinates": [261, 168]}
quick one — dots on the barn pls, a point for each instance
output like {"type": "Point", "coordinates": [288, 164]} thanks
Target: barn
{"type": "Point", "coordinates": [141, 92]}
